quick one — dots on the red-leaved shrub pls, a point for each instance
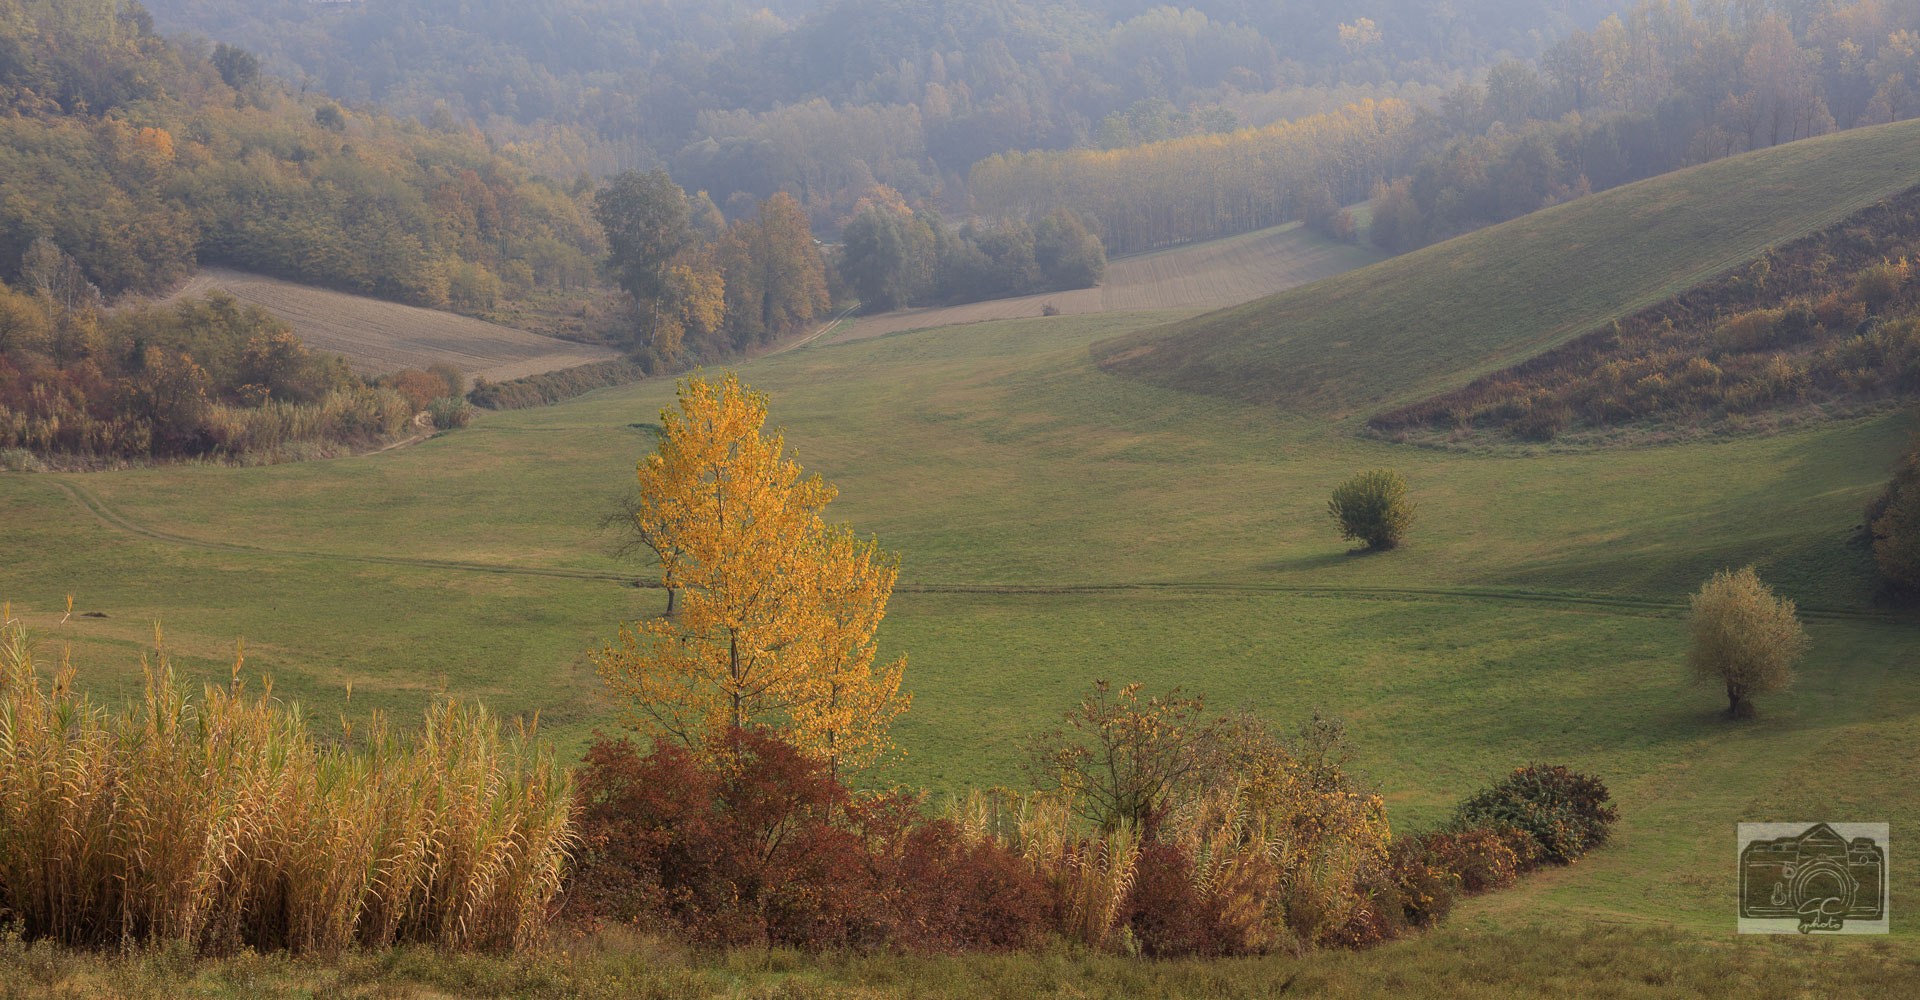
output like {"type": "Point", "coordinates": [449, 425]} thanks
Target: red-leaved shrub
{"type": "Point", "coordinates": [1484, 858]}
{"type": "Point", "coordinates": [940, 891]}
{"type": "Point", "coordinates": [753, 842]}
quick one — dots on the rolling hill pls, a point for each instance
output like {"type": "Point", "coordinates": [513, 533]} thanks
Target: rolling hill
{"type": "Point", "coordinates": [1210, 275]}
{"type": "Point", "coordinates": [1431, 320]}
{"type": "Point", "coordinates": [377, 337]}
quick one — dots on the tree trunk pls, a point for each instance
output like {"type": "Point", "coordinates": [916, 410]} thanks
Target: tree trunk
{"type": "Point", "coordinates": [673, 602]}
{"type": "Point", "coordinates": [1738, 707]}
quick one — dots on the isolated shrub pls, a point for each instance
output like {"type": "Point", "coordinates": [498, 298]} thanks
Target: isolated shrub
{"type": "Point", "coordinates": [1744, 638]}
{"type": "Point", "coordinates": [449, 412]}
{"type": "Point", "coordinates": [1893, 522]}
{"type": "Point", "coordinates": [1373, 508]}
{"type": "Point", "coordinates": [221, 823]}
{"type": "Point", "coordinates": [1565, 813]}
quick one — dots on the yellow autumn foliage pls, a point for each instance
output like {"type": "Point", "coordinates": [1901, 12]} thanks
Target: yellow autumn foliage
{"type": "Point", "coordinates": [776, 610]}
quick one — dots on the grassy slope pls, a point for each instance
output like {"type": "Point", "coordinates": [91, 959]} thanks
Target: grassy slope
{"type": "Point", "coordinates": [1202, 276]}
{"type": "Point", "coordinates": [1431, 320]}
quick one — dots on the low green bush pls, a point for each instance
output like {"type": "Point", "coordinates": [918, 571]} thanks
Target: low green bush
{"type": "Point", "coordinates": [1373, 507]}
{"type": "Point", "coordinates": [1565, 813]}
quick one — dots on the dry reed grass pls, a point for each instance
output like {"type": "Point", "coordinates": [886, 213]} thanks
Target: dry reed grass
{"type": "Point", "coordinates": [223, 823]}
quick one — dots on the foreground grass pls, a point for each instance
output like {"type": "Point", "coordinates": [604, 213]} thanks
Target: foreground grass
{"type": "Point", "coordinates": [1431, 320]}
{"type": "Point", "coordinates": [1598, 961]}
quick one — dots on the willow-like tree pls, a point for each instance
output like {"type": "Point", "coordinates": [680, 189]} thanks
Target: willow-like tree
{"type": "Point", "coordinates": [777, 610]}
{"type": "Point", "coordinates": [1743, 637]}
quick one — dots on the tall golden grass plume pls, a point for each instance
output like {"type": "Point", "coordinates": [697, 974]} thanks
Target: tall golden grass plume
{"type": "Point", "coordinates": [223, 822]}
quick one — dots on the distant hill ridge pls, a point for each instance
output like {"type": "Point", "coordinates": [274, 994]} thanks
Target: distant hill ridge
{"type": "Point", "coordinates": [1432, 320]}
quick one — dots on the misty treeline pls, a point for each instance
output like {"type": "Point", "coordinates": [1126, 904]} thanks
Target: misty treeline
{"type": "Point", "coordinates": [891, 257]}
{"type": "Point", "coordinates": [142, 158]}
{"type": "Point", "coordinates": [823, 98]}
{"type": "Point", "coordinates": [1660, 88]}
{"type": "Point", "coordinates": [1196, 188]}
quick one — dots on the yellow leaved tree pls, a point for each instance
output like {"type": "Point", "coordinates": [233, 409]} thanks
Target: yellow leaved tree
{"type": "Point", "coordinates": [774, 611]}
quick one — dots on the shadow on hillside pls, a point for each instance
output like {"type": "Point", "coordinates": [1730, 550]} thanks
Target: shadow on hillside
{"type": "Point", "coordinates": [1306, 564]}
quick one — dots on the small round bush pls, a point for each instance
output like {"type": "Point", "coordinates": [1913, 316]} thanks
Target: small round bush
{"type": "Point", "coordinates": [1565, 813]}
{"type": "Point", "coordinates": [1373, 507]}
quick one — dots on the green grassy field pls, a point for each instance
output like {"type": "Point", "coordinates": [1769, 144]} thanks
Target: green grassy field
{"type": "Point", "coordinates": [1058, 524]}
{"type": "Point", "coordinates": [1431, 320]}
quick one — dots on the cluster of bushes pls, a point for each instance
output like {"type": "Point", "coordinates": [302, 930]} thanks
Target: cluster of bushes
{"type": "Point", "coordinates": [1208, 838]}
{"type": "Point", "coordinates": [1832, 316]}
{"type": "Point", "coordinates": [555, 386]}
{"type": "Point", "coordinates": [205, 377]}
{"type": "Point", "coordinates": [893, 258]}
{"type": "Point", "coordinates": [223, 823]}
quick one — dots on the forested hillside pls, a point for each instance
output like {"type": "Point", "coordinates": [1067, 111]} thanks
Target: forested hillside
{"type": "Point", "coordinates": [1659, 87]}
{"type": "Point", "coordinates": [1664, 86]}
{"type": "Point", "coordinates": [141, 158]}
{"type": "Point", "coordinates": [1156, 124]}
{"type": "Point", "coordinates": [823, 99]}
